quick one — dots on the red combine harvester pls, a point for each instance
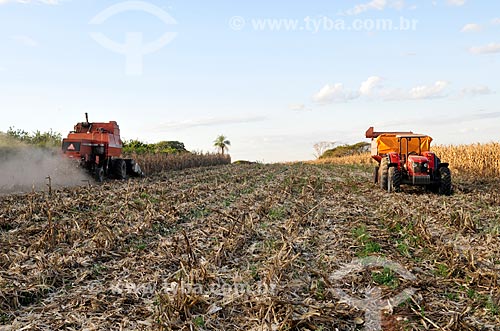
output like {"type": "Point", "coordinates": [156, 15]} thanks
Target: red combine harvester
{"type": "Point", "coordinates": [98, 148]}
{"type": "Point", "coordinates": [405, 158]}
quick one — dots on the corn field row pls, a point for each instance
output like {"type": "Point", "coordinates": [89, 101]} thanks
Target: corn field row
{"type": "Point", "coordinates": [160, 162]}
{"type": "Point", "coordinates": [481, 160]}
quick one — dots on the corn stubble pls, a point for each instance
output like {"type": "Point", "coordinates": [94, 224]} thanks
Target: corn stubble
{"type": "Point", "coordinates": [246, 247]}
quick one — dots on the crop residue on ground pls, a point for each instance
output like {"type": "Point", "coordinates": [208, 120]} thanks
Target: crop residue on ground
{"type": "Point", "coordinates": [250, 247]}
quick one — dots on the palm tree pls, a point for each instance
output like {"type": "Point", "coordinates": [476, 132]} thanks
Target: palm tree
{"type": "Point", "coordinates": [222, 143]}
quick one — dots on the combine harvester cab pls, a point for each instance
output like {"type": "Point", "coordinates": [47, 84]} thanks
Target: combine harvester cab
{"type": "Point", "coordinates": [405, 158]}
{"type": "Point", "coordinates": [98, 148]}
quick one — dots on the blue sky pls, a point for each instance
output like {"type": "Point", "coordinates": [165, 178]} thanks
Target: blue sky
{"type": "Point", "coordinates": [256, 71]}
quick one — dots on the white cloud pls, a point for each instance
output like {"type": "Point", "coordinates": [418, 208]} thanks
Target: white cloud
{"type": "Point", "coordinates": [439, 120]}
{"type": "Point", "coordinates": [422, 92]}
{"type": "Point", "coordinates": [25, 41]}
{"type": "Point", "coordinates": [397, 4]}
{"type": "Point", "coordinates": [488, 49]}
{"type": "Point", "coordinates": [456, 2]}
{"type": "Point", "coordinates": [372, 88]}
{"type": "Point", "coordinates": [298, 107]}
{"type": "Point", "coordinates": [376, 5]}
{"type": "Point", "coordinates": [429, 91]}
{"type": "Point", "coordinates": [393, 94]}
{"type": "Point", "coordinates": [372, 5]}
{"type": "Point", "coordinates": [495, 21]}
{"type": "Point", "coordinates": [45, 2]}
{"type": "Point", "coordinates": [334, 93]}
{"type": "Point", "coordinates": [475, 91]}
{"type": "Point", "coordinates": [471, 27]}
{"type": "Point", "coordinates": [368, 86]}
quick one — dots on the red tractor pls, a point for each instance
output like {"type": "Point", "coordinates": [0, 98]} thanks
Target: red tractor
{"type": "Point", "coordinates": [405, 158]}
{"type": "Point", "coordinates": [98, 148]}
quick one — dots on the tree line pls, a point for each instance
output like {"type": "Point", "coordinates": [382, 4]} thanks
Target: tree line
{"type": "Point", "coordinates": [325, 150]}
{"type": "Point", "coordinates": [51, 139]}
{"type": "Point", "coordinates": [37, 138]}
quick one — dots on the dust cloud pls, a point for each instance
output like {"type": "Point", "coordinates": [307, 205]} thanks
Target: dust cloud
{"type": "Point", "coordinates": [23, 168]}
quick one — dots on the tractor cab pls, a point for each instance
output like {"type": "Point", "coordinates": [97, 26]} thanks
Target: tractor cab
{"type": "Point", "coordinates": [411, 149]}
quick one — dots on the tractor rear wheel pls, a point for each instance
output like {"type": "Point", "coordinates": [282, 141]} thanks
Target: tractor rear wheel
{"type": "Point", "coordinates": [394, 180]}
{"type": "Point", "coordinates": [445, 181]}
{"type": "Point", "coordinates": [120, 169]}
{"type": "Point", "coordinates": [375, 175]}
{"type": "Point", "coordinates": [383, 173]}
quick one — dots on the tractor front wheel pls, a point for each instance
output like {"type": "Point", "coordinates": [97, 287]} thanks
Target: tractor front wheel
{"type": "Point", "coordinates": [394, 180]}
{"type": "Point", "coordinates": [445, 181]}
{"type": "Point", "coordinates": [383, 173]}
{"type": "Point", "coordinates": [375, 175]}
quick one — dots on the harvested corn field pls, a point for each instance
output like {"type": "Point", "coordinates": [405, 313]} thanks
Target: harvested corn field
{"type": "Point", "coordinates": [250, 247]}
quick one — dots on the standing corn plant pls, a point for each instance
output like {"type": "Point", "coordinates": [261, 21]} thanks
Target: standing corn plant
{"type": "Point", "coordinates": [222, 143]}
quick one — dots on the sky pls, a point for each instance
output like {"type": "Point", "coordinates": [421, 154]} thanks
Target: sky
{"type": "Point", "coordinates": [275, 77]}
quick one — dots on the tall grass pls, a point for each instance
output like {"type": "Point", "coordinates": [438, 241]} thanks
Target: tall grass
{"type": "Point", "coordinates": [159, 162]}
{"type": "Point", "coordinates": [473, 160]}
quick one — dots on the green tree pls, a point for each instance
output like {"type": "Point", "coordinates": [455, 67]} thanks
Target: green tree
{"type": "Point", "coordinates": [37, 138]}
{"type": "Point", "coordinates": [222, 143]}
{"type": "Point", "coordinates": [136, 146]}
{"type": "Point", "coordinates": [19, 135]}
{"type": "Point", "coordinates": [170, 147]}
{"type": "Point", "coordinates": [346, 150]}
{"type": "Point", "coordinates": [162, 147]}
